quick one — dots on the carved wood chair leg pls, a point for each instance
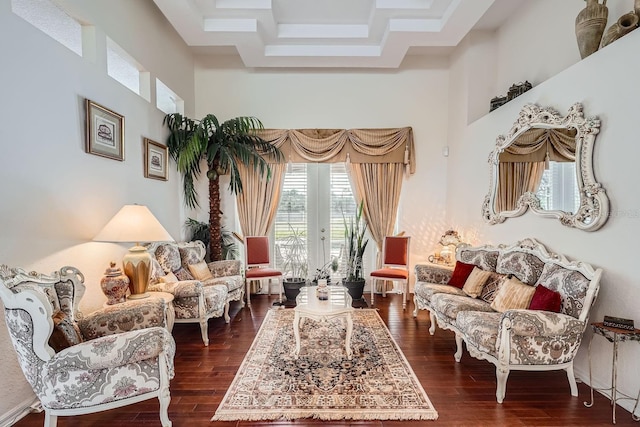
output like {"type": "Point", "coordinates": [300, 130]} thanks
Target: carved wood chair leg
{"type": "Point", "coordinates": [204, 329]}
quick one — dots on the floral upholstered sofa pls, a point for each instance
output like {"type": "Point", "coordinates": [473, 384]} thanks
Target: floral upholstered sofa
{"type": "Point", "coordinates": [201, 290]}
{"type": "Point", "coordinates": [520, 307]}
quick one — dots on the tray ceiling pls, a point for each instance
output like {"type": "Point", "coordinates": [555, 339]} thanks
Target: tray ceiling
{"type": "Point", "coordinates": [330, 33]}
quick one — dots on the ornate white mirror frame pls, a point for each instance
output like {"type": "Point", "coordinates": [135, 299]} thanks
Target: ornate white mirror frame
{"type": "Point", "coordinates": [593, 209]}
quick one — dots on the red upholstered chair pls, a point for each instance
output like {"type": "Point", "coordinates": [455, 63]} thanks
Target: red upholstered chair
{"type": "Point", "coordinates": [257, 259]}
{"type": "Point", "coordinates": [395, 266]}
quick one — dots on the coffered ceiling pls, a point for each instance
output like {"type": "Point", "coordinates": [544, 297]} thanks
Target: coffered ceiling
{"type": "Point", "coordinates": [330, 33]}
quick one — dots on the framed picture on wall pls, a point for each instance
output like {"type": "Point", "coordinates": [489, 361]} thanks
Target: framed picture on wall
{"type": "Point", "coordinates": [155, 160]}
{"type": "Point", "coordinates": [105, 132]}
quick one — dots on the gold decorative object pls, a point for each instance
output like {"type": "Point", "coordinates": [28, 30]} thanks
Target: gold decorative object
{"type": "Point", "coordinates": [135, 223]}
{"type": "Point", "coordinates": [590, 25]}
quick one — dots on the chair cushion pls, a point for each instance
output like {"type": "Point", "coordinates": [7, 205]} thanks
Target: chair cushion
{"type": "Point", "coordinates": [571, 284]}
{"type": "Point", "coordinates": [262, 272]}
{"type": "Point", "coordinates": [428, 290]}
{"type": "Point", "coordinates": [183, 274]}
{"type": "Point", "coordinates": [525, 266]}
{"type": "Point", "coordinates": [450, 305]}
{"type": "Point", "coordinates": [168, 278]}
{"type": "Point", "coordinates": [546, 299]}
{"type": "Point", "coordinates": [65, 332]}
{"type": "Point", "coordinates": [190, 255]}
{"type": "Point", "coordinates": [460, 274]}
{"type": "Point", "coordinates": [200, 271]}
{"type": "Point", "coordinates": [396, 273]}
{"type": "Point", "coordinates": [475, 282]}
{"type": "Point", "coordinates": [480, 329]}
{"type": "Point", "coordinates": [513, 294]}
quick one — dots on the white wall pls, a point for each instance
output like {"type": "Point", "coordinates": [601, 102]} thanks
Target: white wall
{"type": "Point", "coordinates": [55, 197]}
{"type": "Point", "coordinates": [416, 96]}
{"type": "Point", "coordinates": [606, 84]}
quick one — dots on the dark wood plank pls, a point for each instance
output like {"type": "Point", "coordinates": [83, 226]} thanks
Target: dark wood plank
{"type": "Point", "coordinates": [463, 393]}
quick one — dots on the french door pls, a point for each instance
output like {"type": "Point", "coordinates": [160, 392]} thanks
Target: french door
{"type": "Point", "coordinates": [316, 197]}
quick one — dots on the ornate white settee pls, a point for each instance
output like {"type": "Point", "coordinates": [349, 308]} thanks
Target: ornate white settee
{"type": "Point", "coordinates": [525, 338]}
{"type": "Point", "coordinates": [76, 364]}
{"type": "Point", "coordinates": [201, 290]}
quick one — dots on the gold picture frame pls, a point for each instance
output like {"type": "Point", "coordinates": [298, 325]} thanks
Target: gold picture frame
{"type": "Point", "coordinates": [156, 160]}
{"type": "Point", "coordinates": [105, 132]}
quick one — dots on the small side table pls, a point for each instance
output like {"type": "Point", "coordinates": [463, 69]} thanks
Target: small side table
{"type": "Point", "coordinates": [613, 335]}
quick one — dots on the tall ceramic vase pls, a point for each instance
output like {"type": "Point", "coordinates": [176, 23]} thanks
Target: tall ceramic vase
{"type": "Point", "coordinates": [590, 25]}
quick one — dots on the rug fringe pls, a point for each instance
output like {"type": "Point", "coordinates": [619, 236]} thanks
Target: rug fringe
{"type": "Point", "coordinates": [329, 416]}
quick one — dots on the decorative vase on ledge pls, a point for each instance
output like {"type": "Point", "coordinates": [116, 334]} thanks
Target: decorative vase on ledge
{"type": "Point", "coordinates": [627, 23]}
{"type": "Point", "coordinates": [590, 25]}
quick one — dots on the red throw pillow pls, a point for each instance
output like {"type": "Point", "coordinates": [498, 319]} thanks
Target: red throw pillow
{"type": "Point", "coordinates": [545, 299]}
{"type": "Point", "coordinates": [460, 274]}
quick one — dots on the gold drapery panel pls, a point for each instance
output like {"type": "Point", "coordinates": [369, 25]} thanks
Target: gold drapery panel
{"type": "Point", "coordinates": [258, 202]}
{"type": "Point", "coordinates": [516, 178]}
{"type": "Point", "coordinates": [339, 145]}
{"type": "Point", "coordinates": [533, 145]}
{"type": "Point", "coordinates": [378, 185]}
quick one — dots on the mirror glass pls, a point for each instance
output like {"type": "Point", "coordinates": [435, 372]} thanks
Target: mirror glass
{"type": "Point", "coordinates": [545, 164]}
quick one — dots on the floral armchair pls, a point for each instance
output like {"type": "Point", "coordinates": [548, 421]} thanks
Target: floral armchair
{"type": "Point", "coordinates": [201, 290]}
{"type": "Point", "coordinates": [79, 364]}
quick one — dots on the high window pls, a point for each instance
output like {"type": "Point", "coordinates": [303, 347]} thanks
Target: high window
{"type": "Point", "coordinates": [53, 21]}
{"type": "Point", "coordinates": [122, 67]}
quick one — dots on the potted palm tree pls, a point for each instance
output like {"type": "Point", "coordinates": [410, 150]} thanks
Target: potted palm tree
{"type": "Point", "coordinates": [294, 267]}
{"type": "Point", "coordinates": [355, 244]}
{"type": "Point", "coordinates": [222, 146]}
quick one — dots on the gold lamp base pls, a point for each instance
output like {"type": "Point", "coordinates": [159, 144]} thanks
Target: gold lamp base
{"type": "Point", "coordinates": [137, 266]}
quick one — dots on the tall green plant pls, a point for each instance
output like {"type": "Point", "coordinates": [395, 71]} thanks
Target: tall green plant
{"type": "Point", "coordinates": [355, 244]}
{"type": "Point", "coordinates": [222, 147]}
{"type": "Point", "coordinates": [295, 254]}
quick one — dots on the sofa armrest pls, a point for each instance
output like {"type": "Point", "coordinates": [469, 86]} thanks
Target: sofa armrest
{"type": "Point", "coordinates": [225, 268]}
{"type": "Point", "coordinates": [532, 337]}
{"type": "Point", "coordinates": [129, 316]}
{"type": "Point", "coordinates": [536, 323]}
{"type": "Point", "coordinates": [432, 274]}
{"type": "Point", "coordinates": [181, 289]}
{"type": "Point", "coordinates": [112, 351]}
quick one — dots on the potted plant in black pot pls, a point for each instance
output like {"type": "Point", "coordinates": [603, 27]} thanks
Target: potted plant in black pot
{"type": "Point", "coordinates": [294, 268]}
{"type": "Point", "coordinates": [355, 244]}
{"type": "Point", "coordinates": [325, 271]}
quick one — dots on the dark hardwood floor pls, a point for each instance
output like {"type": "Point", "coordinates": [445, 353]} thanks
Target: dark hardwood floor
{"type": "Point", "coordinates": [462, 393]}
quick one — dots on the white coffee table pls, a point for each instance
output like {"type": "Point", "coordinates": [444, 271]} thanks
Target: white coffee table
{"type": "Point", "coordinates": [308, 306]}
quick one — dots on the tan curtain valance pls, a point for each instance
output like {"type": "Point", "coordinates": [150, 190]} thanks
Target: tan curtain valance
{"type": "Point", "coordinates": [339, 145]}
{"type": "Point", "coordinates": [533, 145]}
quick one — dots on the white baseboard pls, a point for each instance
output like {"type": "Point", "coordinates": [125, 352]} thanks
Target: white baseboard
{"type": "Point", "coordinates": [10, 418]}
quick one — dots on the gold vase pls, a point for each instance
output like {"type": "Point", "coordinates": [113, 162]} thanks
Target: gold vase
{"type": "Point", "coordinates": [627, 23]}
{"type": "Point", "coordinates": [590, 25]}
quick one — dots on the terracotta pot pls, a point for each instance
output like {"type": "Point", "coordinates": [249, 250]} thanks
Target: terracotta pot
{"type": "Point", "coordinates": [590, 25]}
{"type": "Point", "coordinates": [627, 23]}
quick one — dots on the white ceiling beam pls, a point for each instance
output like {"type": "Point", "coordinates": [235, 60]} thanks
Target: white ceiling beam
{"type": "Point", "coordinates": [243, 4]}
{"type": "Point", "coordinates": [318, 50]}
{"type": "Point", "coordinates": [231, 25]}
{"type": "Point", "coordinates": [321, 31]}
{"type": "Point", "coordinates": [404, 4]}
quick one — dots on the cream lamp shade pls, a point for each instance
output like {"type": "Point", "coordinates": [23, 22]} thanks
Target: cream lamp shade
{"type": "Point", "coordinates": [135, 223]}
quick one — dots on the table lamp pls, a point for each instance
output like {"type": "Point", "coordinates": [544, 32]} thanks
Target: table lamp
{"type": "Point", "coordinates": [135, 223]}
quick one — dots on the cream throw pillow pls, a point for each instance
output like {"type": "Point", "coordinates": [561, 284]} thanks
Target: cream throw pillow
{"type": "Point", "coordinates": [474, 283]}
{"type": "Point", "coordinates": [168, 278]}
{"type": "Point", "coordinates": [513, 294]}
{"type": "Point", "coordinates": [200, 271]}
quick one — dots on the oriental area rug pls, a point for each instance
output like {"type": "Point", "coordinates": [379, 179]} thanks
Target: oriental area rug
{"type": "Point", "coordinates": [377, 384]}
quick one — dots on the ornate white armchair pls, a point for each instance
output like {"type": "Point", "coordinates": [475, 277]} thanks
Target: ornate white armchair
{"type": "Point", "coordinates": [201, 290]}
{"type": "Point", "coordinates": [78, 364]}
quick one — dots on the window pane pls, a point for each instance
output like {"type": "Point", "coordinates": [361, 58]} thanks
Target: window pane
{"type": "Point", "coordinates": [291, 216]}
{"type": "Point", "coordinates": [343, 205]}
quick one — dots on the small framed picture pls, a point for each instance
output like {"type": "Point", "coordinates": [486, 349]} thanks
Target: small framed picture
{"type": "Point", "coordinates": [105, 132]}
{"type": "Point", "coordinates": [155, 160]}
